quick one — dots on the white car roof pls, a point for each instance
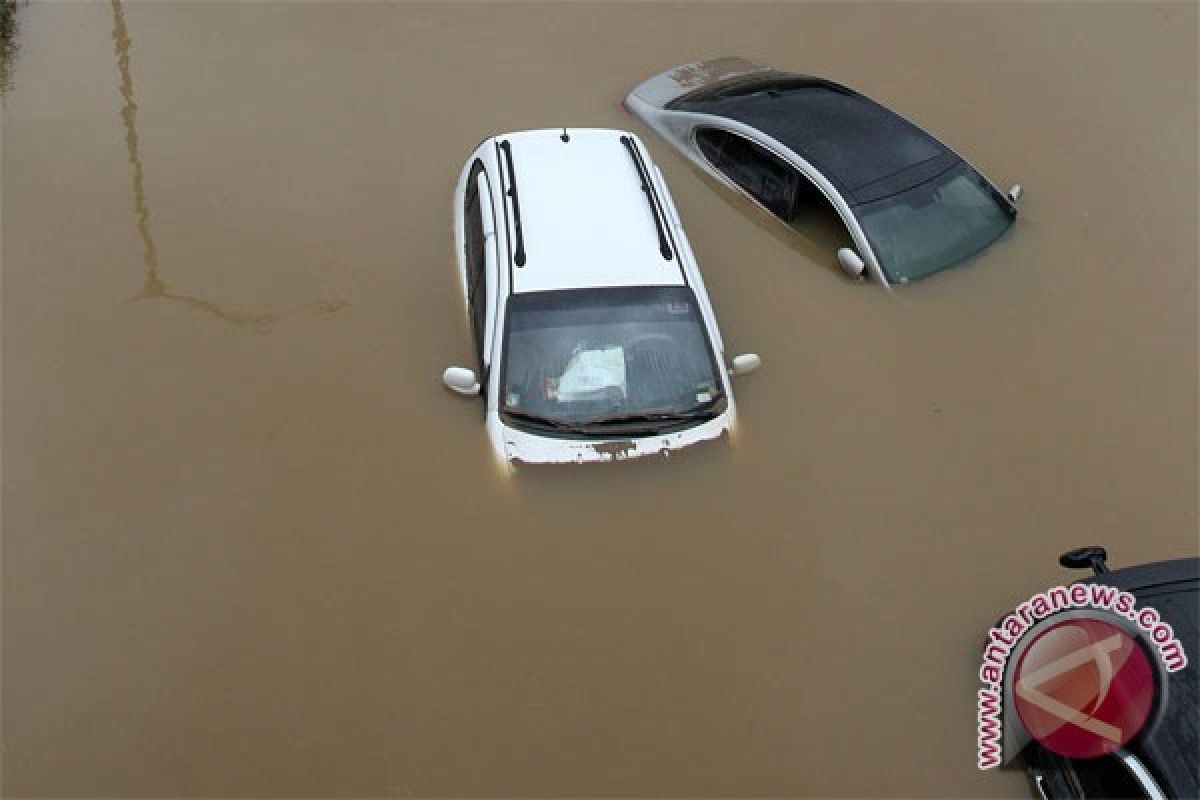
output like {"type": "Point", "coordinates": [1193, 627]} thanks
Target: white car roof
{"type": "Point", "coordinates": [585, 219]}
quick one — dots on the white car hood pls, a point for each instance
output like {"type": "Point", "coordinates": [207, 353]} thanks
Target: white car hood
{"type": "Point", "coordinates": [518, 447]}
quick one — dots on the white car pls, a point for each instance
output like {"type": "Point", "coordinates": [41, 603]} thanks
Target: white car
{"type": "Point", "coordinates": [594, 337]}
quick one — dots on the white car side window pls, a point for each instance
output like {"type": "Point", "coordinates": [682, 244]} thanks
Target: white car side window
{"type": "Point", "coordinates": [490, 278]}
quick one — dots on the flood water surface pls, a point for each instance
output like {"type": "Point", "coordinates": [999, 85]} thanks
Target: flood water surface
{"type": "Point", "coordinates": [253, 547]}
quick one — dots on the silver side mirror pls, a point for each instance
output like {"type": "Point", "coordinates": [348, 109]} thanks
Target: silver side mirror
{"type": "Point", "coordinates": [851, 263]}
{"type": "Point", "coordinates": [1014, 193]}
{"type": "Point", "coordinates": [461, 380]}
{"type": "Point", "coordinates": [744, 364]}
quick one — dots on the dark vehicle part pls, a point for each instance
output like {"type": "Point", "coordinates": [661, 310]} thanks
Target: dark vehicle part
{"type": "Point", "coordinates": [1162, 761]}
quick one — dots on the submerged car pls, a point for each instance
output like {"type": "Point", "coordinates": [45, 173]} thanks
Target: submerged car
{"type": "Point", "coordinates": [1161, 762]}
{"type": "Point", "coordinates": [594, 337]}
{"type": "Point", "coordinates": [911, 205]}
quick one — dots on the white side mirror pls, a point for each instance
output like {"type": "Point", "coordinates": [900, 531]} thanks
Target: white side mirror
{"type": "Point", "coordinates": [744, 364]}
{"type": "Point", "coordinates": [851, 263]}
{"type": "Point", "coordinates": [461, 380]}
{"type": "Point", "coordinates": [1014, 193]}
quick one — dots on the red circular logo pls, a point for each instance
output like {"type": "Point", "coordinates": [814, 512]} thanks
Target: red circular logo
{"type": "Point", "coordinates": [1083, 688]}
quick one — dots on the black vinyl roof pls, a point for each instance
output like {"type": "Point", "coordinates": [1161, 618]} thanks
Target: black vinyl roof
{"type": "Point", "coordinates": [865, 150]}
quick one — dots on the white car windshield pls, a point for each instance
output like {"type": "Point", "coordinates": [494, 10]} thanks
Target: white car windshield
{"type": "Point", "coordinates": [611, 361]}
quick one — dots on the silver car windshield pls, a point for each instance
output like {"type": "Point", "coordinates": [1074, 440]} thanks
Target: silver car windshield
{"type": "Point", "coordinates": [611, 361]}
{"type": "Point", "coordinates": [934, 225]}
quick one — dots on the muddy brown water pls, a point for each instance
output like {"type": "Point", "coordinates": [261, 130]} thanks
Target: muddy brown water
{"type": "Point", "coordinates": [252, 546]}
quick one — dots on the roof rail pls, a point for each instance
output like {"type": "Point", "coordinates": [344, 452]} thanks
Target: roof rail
{"type": "Point", "coordinates": [519, 255]}
{"type": "Point", "coordinates": [664, 245]}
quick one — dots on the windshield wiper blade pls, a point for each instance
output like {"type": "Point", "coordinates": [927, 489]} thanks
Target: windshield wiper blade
{"type": "Point", "coordinates": [700, 412]}
{"type": "Point", "coordinates": [585, 426]}
{"type": "Point", "coordinates": [538, 419]}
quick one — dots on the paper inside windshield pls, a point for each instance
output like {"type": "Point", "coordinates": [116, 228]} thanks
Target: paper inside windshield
{"type": "Point", "coordinates": [592, 371]}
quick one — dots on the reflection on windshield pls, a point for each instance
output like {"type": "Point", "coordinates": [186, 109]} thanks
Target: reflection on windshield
{"type": "Point", "coordinates": [935, 225]}
{"type": "Point", "coordinates": [600, 360]}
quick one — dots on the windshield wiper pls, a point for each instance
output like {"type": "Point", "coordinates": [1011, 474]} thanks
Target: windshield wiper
{"type": "Point", "coordinates": [538, 419]}
{"type": "Point", "coordinates": [586, 426]}
{"type": "Point", "coordinates": [699, 412]}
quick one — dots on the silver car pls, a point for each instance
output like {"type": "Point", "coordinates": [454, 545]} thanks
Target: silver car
{"type": "Point", "coordinates": [912, 206]}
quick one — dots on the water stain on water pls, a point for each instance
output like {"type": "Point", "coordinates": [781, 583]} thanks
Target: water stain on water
{"type": "Point", "coordinates": [254, 565]}
{"type": "Point", "coordinates": [153, 286]}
